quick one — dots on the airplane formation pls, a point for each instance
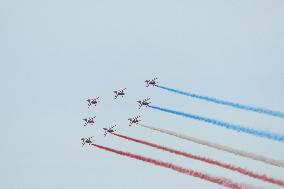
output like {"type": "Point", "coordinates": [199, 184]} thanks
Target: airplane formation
{"type": "Point", "coordinates": [135, 120]}
{"type": "Point", "coordinates": [92, 102]}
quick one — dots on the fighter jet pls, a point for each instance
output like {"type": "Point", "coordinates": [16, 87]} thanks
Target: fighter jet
{"type": "Point", "coordinates": [134, 120]}
{"type": "Point", "coordinates": [93, 101]}
{"type": "Point", "coordinates": [143, 102]}
{"type": "Point", "coordinates": [152, 82]}
{"type": "Point", "coordinates": [119, 93]}
{"type": "Point", "coordinates": [109, 130]}
{"type": "Point", "coordinates": [89, 121]}
{"type": "Point", "coordinates": [87, 140]}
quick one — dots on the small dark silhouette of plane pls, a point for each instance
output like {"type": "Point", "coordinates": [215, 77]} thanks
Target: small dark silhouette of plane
{"type": "Point", "coordinates": [119, 93]}
{"type": "Point", "coordinates": [90, 121]}
{"type": "Point", "coordinates": [134, 120]}
{"type": "Point", "coordinates": [109, 130]}
{"type": "Point", "coordinates": [87, 140]}
{"type": "Point", "coordinates": [93, 101]}
{"type": "Point", "coordinates": [143, 102]}
{"type": "Point", "coordinates": [152, 82]}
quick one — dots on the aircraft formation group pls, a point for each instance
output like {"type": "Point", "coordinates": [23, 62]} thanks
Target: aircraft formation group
{"type": "Point", "coordinates": [136, 120]}
{"type": "Point", "coordinates": [92, 102]}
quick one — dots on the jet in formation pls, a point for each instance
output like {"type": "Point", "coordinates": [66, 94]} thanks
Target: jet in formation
{"type": "Point", "coordinates": [119, 93]}
{"type": "Point", "coordinates": [134, 120]}
{"type": "Point", "coordinates": [143, 102]}
{"type": "Point", "coordinates": [152, 82]}
{"type": "Point", "coordinates": [109, 130]}
{"type": "Point", "coordinates": [93, 101]}
{"type": "Point", "coordinates": [89, 121]}
{"type": "Point", "coordinates": [87, 140]}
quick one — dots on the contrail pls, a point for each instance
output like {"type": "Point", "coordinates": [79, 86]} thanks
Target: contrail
{"type": "Point", "coordinates": [239, 128]}
{"type": "Point", "coordinates": [242, 153]}
{"type": "Point", "coordinates": [218, 180]}
{"type": "Point", "coordinates": [206, 160]}
{"type": "Point", "coordinates": [227, 103]}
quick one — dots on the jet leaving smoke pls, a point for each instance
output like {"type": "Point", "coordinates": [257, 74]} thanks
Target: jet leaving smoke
{"type": "Point", "coordinates": [206, 160]}
{"type": "Point", "coordinates": [227, 103]}
{"type": "Point", "coordinates": [239, 128]}
{"type": "Point", "coordinates": [221, 181]}
{"type": "Point", "coordinates": [250, 155]}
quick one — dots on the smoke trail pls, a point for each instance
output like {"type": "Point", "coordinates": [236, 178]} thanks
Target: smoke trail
{"type": "Point", "coordinates": [227, 103]}
{"type": "Point", "coordinates": [206, 160]}
{"type": "Point", "coordinates": [250, 155]}
{"type": "Point", "coordinates": [218, 180]}
{"type": "Point", "coordinates": [239, 128]}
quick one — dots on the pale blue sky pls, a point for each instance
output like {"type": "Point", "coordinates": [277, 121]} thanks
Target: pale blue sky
{"type": "Point", "coordinates": [56, 54]}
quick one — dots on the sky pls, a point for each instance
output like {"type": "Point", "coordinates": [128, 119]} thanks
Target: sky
{"type": "Point", "coordinates": [56, 54]}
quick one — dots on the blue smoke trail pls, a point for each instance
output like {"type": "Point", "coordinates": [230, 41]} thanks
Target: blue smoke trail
{"type": "Point", "coordinates": [239, 128]}
{"type": "Point", "coordinates": [232, 104]}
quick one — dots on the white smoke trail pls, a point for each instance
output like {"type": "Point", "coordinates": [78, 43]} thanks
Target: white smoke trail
{"type": "Point", "coordinates": [250, 155]}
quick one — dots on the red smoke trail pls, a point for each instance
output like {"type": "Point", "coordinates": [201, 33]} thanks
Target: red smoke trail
{"type": "Point", "coordinates": [207, 160]}
{"type": "Point", "coordinates": [221, 181]}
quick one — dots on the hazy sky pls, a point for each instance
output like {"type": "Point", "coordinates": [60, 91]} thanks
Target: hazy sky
{"type": "Point", "coordinates": [56, 54]}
